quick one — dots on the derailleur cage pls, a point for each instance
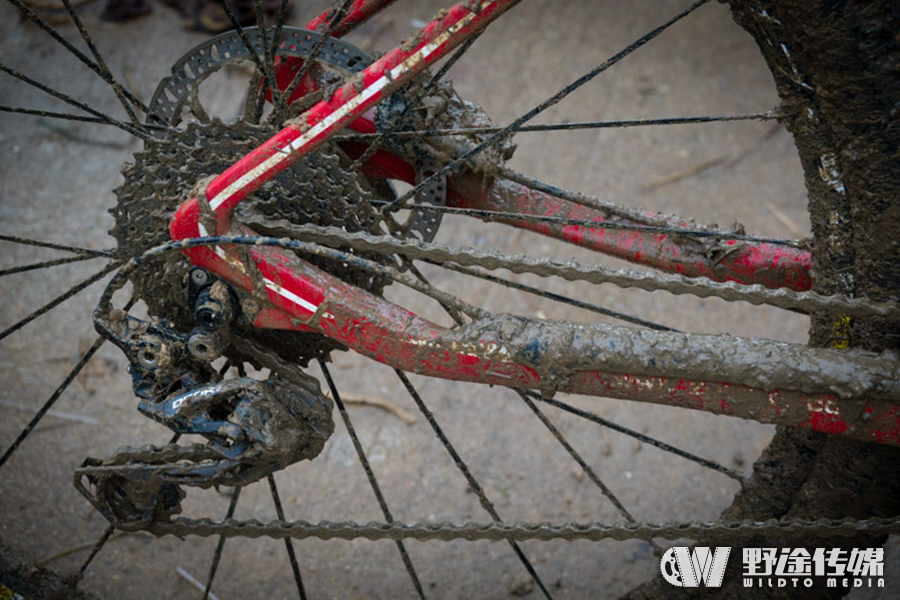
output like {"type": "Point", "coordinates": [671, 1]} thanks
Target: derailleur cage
{"type": "Point", "coordinates": [252, 427]}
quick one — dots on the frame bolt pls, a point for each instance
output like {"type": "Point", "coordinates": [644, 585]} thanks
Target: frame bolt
{"type": "Point", "coordinates": [199, 277]}
{"type": "Point", "coordinates": [250, 307]}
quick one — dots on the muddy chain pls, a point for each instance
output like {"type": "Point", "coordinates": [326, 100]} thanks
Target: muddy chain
{"type": "Point", "coordinates": [573, 271]}
{"type": "Point", "coordinates": [521, 532]}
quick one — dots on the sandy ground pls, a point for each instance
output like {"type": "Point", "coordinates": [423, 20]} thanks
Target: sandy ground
{"type": "Point", "coordinates": [55, 184]}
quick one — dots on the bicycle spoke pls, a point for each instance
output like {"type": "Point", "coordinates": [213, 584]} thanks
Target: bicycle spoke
{"type": "Point", "coordinates": [493, 216]}
{"type": "Point", "coordinates": [107, 533]}
{"type": "Point", "coordinates": [370, 475]}
{"type": "Point", "coordinates": [703, 462]}
{"type": "Point", "coordinates": [255, 100]}
{"type": "Point", "coordinates": [268, 53]}
{"type": "Point", "coordinates": [554, 296]}
{"type": "Point", "coordinates": [580, 125]}
{"type": "Point", "coordinates": [117, 88]}
{"type": "Point", "coordinates": [217, 555]}
{"type": "Point", "coordinates": [553, 100]}
{"type": "Point", "coordinates": [314, 54]}
{"type": "Point", "coordinates": [604, 206]}
{"type": "Point", "coordinates": [277, 94]}
{"type": "Point", "coordinates": [68, 100]}
{"type": "Point", "coordinates": [604, 489]}
{"type": "Point", "coordinates": [447, 304]}
{"type": "Point", "coordinates": [288, 543]}
{"type": "Point", "coordinates": [473, 483]}
{"type": "Point", "coordinates": [70, 117]}
{"type": "Point", "coordinates": [197, 109]}
{"type": "Point", "coordinates": [279, 25]}
{"type": "Point", "coordinates": [59, 299]}
{"type": "Point", "coordinates": [52, 114]}
{"type": "Point", "coordinates": [264, 68]}
{"type": "Point", "coordinates": [47, 264]}
{"type": "Point", "coordinates": [41, 244]}
{"type": "Point", "coordinates": [451, 61]}
{"type": "Point", "coordinates": [41, 23]}
{"type": "Point", "coordinates": [42, 412]}
{"type": "Point", "coordinates": [75, 550]}
{"type": "Point", "coordinates": [52, 399]}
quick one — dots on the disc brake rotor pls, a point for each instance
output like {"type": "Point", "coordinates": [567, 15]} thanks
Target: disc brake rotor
{"type": "Point", "coordinates": [179, 89]}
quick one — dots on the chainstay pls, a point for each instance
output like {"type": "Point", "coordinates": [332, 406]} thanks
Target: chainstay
{"type": "Point", "coordinates": [348, 530]}
{"type": "Point", "coordinates": [574, 271]}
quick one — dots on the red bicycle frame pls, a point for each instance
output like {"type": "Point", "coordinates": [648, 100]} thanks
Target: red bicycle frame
{"type": "Point", "coordinates": [302, 297]}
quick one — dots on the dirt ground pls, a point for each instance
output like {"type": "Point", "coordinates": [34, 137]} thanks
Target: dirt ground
{"type": "Point", "coordinates": [55, 184]}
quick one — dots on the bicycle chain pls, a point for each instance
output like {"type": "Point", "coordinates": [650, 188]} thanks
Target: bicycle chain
{"type": "Point", "coordinates": [574, 271]}
{"type": "Point", "coordinates": [445, 531]}
{"type": "Point", "coordinates": [521, 531]}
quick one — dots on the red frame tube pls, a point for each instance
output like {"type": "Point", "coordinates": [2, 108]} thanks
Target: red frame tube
{"type": "Point", "coordinates": [772, 265]}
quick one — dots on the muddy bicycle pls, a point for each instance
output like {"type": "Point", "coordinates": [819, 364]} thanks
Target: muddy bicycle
{"type": "Point", "coordinates": [291, 232]}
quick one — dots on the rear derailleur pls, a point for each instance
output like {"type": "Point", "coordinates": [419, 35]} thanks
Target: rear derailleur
{"type": "Point", "coordinates": [252, 428]}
